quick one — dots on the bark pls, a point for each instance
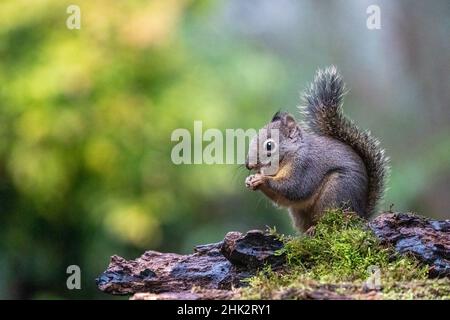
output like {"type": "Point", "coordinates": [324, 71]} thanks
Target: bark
{"type": "Point", "coordinates": [213, 270]}
{"type": "Point", "coordinates": [427, 239]}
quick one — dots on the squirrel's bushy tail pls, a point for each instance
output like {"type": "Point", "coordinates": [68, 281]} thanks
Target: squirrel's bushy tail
{"type": "Point", "coordinates": [323, 115]}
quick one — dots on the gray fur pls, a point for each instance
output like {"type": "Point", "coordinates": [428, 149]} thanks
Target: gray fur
{"type": "Point", "coordinates": [332, 163]}
{"type": "Point", "coordinates": [324, 116]}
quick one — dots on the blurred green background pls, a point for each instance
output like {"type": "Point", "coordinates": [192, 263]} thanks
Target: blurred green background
{"type": "Point", "coordinates": [86, 118]}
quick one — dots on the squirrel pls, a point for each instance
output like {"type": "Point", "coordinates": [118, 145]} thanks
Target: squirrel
{"type": "Point", "coordinates": [324, 162]}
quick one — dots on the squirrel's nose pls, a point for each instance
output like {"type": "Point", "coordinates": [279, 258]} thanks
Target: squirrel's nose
{"type": "Point", "coordinates": [249, 166]}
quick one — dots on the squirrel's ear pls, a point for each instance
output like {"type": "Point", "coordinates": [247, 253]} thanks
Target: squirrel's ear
{"type": "Point", "coordinates": [288, 123]}
{"type": "Point", "coordinates": [291, 125]}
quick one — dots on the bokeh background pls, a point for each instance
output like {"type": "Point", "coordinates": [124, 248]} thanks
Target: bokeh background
{"type": "Point", "coordinates": [86, 118]}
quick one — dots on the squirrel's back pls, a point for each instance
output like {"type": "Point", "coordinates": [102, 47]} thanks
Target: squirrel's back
{"type": "Point", "coordinates": [324, 116]}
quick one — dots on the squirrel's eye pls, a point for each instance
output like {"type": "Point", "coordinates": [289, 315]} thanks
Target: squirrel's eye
{"type": "Point", "coordinates": [269, 145]}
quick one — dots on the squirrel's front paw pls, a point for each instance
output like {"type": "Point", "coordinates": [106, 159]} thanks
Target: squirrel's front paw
{"type": "Point", "coordinates": [254, 181]}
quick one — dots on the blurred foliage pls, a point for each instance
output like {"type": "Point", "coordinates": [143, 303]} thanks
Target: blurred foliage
{"type": "Point", "coordinates": [86, 118]}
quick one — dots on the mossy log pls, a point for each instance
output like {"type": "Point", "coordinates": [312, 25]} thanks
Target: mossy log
{"type": "Point", "coordinates": [213, 271]}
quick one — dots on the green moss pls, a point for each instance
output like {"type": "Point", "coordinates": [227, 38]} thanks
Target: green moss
{"type": "Point", "coordinates": [338, 260]}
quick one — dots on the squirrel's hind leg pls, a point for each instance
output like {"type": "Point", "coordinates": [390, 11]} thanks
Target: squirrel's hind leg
{"type": "Point", "coordinates": [305, 217]}
{"type": "Point", "coordinates": [341, 191]}
{"type": "Point", "coordinates": [301, 219]}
